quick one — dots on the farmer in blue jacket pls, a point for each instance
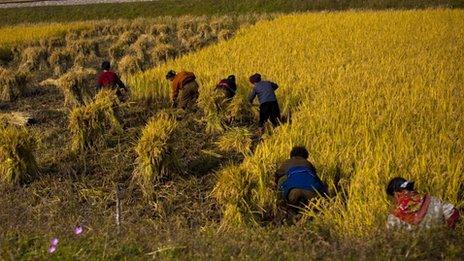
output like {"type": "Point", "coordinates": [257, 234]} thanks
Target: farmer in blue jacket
{"type": "Point", "coordinates": [268, 106]}
{"type": "Point", "coordinates": [296, 179]}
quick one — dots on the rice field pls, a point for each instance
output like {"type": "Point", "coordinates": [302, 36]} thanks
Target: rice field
{"type": "Point", "coordinates": [372, 95]}
{"type": "Point", "coordinates": [26, 33]}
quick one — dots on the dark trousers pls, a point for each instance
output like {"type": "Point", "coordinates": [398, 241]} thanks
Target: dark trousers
{"type": "Point", "coordinates": [269, 111]}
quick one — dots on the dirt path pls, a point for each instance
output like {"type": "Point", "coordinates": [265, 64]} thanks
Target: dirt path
{"type": "Point", "coordinates": [37, 3]}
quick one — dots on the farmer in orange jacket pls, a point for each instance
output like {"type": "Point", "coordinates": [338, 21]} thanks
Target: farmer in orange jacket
{"type": "Point", "coordinates": [184, 89]}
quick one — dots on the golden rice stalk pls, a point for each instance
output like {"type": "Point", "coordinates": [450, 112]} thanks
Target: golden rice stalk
{"type": "Point", "coordinates": [236, 190]}
{"type": "Point", "coordinates": [237, 139]}
{"type": "Point", "coordinates": [12, 86]}
{"type": "Point", "coordinates": [17, 161]}
{"type": "Point", "coordinates": [77, 86]}
{"type": "Point", "coordinates": [155, 158]}
{"type": "Point", "coordinates": [92, 125]}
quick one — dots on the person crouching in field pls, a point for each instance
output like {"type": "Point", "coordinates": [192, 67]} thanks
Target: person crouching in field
{"type": "Point", "coordinates": [227, 87]}
{"type": "Point", "coordinates": [297, 181]}
{"type": "Point", "coordinates": [268, 106]}
{"type": "Point", "coordinates": [225, 91]}
{"type": "Point", "coordinates": [184, 89]}
{"type": "Point", "coordinates": [109, 79]}
{"type": "Point", "coordinates": [415, 210]}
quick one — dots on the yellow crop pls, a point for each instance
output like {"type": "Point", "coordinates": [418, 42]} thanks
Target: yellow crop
{"type": "Point", "coordinates": [15, 35]}
{"type": "Point", "coordinates": [373, 95]}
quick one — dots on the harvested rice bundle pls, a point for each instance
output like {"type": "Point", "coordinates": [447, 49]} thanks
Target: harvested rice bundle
{"type": "Point", "coordinates": [117, 51]}
{"type": "Point", "coordinates": [17, 161]}
{"type": "Point", "coordinates": [83, 46]}
{"type": "Point", "coordinates": [77, 86]}
{"type": "Point", "coordinates": [12, 86]}
{"type": "Point", "coordinates": [15, 119]}
{"type": "Point", "coordinates": [128, 37]}
{"type": "Point", "coordinates": [33, 58]}
{"type": "Point", "coordinates": [141, 48]}
{"type": "Point", "coordinates": [237, 139]}
{"type": "Point", "coordinates": [129, 65]}
{"type": "Point", "coordinates": [90, 60]}
{"type": "Point", "coordinates": [225, 34]}
{"type": "Point", "coordinates": [240, 111]}
{"type": "Point", "coordinates": [51, 44]}
{"type": "Point", "coordinates": [213, 116]}
{"type": "Point", "coordinates": [163, 52]}
{"type": "Point", "coordinates": [92, 125]}
{"type": "Point", "coordinates": [60, 61]}
{"type": "Point", "coordinates": [156, 158]}
{"type": "Point", "coordinates": [159, 29]}
{"type": "Point", "coordinates": [139, 26]}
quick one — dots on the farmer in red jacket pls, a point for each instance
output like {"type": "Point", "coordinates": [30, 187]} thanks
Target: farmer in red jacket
{"type": "Point", "coordinates": [413, 210]}
{"type": "Point", "coordinates": [109, 79]}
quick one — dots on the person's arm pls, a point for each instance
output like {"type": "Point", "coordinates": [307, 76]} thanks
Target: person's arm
{"type": "Point", "coordinates": [120, 83]}
{"type": "Point", "coordinates": [274, 86]}
{"type": "Point", "coordinates": [252, 95]}
{"type": "Point", "coordinates": [99, 84]}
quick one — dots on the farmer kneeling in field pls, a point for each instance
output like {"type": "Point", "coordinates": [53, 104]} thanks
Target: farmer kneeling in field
{"type": "Point", "coordinates": [109, 79]}
{"type": "Point", "coordinates": [268, 106]}
{"type": "Point", "coordinates": [415, 210]}
{"type": "Point", "coordinates": [184, 89]}
{"type": "Point", "coordinates": [297, 181]}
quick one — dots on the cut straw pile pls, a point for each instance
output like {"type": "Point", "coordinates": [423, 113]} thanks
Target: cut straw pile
{"type": "Point", "coordinates": [12, 86]}
{"type": "Point", "coordinates": [155, 153]}
{"type": "Point", "coordinates": [17, 161]}
{"type": "Point", "coordinates": [77, 86]}
{"type": "Point", "coordinates": [92, 125]}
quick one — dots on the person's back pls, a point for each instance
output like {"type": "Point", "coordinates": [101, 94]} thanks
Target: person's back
{"type": "Point", "coordinates": [265, 90]}
{"type": "Point", "coordinates": [228, 87]}
{"type": "Point", "coordinates": [268, 105]}
{"type": "Point", "coordinates": [184, 88]}
{"type": "Point", "coordinates": [109, 79]}
{"type": "Point", "coordinates": [296, 179]}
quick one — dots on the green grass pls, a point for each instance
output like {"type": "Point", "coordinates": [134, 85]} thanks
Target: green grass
{"type": "Point", "coordinates": [200, 7]}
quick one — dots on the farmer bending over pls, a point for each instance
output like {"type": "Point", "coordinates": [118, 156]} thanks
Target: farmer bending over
{"type": "Point", "coordinates": [228, 87]}
{"type": "Point", "coordinates": [296, 179]}
{"type": "Point", "coordinates": [268, 106]}
{"type": "Point", "coordinates": [184, 89]}
{"type": "Point", "coordinates": [415, 210]}
{"type": "Point", "coordinates": [109, 79]}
